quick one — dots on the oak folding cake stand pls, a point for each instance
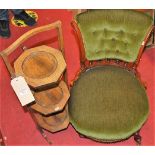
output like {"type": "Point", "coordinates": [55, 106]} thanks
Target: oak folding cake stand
{"type": "Point", "coordinates": [43, 69]}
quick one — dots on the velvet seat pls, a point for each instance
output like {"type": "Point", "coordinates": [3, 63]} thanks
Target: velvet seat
{"type": "Point", "coordinates": [108, 103]}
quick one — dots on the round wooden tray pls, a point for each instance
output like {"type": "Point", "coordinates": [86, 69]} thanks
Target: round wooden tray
{"type": "Point", "coordinates": [51, 100]}
{"type": "Point", "coordinates": [40, 66]}
{"type": "Point", "coordinates": [54, 122]}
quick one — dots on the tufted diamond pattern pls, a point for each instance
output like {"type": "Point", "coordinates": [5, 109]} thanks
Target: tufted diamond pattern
{"type": "Point", "coordinates": [116, 34]}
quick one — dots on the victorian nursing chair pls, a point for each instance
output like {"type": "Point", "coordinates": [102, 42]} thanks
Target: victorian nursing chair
{"type": "Point", "coordinates": [108, 101]}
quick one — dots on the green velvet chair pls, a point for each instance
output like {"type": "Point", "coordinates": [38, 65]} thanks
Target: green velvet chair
{"type": "Point", "coordinates": [108, 101]}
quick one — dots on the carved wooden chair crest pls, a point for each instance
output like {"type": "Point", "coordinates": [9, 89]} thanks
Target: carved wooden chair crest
{"type": "Point", "coordinates": [108, 101]}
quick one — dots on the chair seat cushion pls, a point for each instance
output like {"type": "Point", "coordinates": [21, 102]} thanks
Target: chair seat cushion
{"type": "Point", "coordinates": [108, 103]}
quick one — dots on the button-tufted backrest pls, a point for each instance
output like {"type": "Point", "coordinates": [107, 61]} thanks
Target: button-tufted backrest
{"type": "Point", "coordinates": [115, 34]}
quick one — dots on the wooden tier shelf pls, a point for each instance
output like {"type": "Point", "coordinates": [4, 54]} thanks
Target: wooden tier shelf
{"type": "Point", "coordinates": [40, 66]}
{"type": "Point", "coordinates": [51, 100]}
{"type": "Point", "coordinates": [54, 122]}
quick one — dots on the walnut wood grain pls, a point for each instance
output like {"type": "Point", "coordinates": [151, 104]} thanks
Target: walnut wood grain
{"type": "Point", "coordinates": [51, 100]}
{"type": "Point", "coordinates": [80, 41]}
{"type": "Point", "coordinates": [56, 25]}
{"type": "Point", "coordinates": [53, 122]}
{"type": "Point", "coordinates": [40, 66]}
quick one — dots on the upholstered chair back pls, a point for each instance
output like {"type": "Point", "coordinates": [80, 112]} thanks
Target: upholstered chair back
{"type": "Point", "coordinates": [113, 34]}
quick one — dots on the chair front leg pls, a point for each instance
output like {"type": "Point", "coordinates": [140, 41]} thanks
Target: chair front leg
{"type": "Point", "coordinates": [137, 138]}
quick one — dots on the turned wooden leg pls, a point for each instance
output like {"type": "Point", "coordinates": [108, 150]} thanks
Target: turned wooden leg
{"type": "Point", "coordinates": [1, 140]}
{"type": "Point", "coordinates": [81, 136]}
{"type": "Point", "coordinates": [137, 138]}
